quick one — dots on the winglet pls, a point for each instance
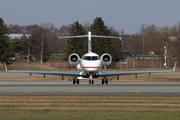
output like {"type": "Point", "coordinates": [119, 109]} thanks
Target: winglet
{"type": "Point", "coordinates": [174, 66]}
{"type": "Point", "coordinates": [5, 66]}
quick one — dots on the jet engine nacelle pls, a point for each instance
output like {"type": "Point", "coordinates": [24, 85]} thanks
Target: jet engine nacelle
{"type": "Point", "coordinates": [74, 59]}
{"type": "Point", "coordinates": [106, 59]}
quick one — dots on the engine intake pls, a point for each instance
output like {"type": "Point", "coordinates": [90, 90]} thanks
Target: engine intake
{"type": "Point", "coordinates": [106, 59]}
{"type": "Point", "coordinates": [74, 59]}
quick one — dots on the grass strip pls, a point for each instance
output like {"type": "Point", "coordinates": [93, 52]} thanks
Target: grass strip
{"type": "Point", "coordinates": [79, 107]}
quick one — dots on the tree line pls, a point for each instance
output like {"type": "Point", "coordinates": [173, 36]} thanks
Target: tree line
{"type": "Point", "coordinates": [44, 40]}
{"type": "Point", "coordinates": [153, 38]}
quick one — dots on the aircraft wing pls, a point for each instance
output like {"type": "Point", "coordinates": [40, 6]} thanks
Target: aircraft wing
{"type": "Point", "coordinates": [134, 72]}
{"type": "Point", "coordinates": [129, 73]}
{"type": "Point", "coordinates": [48, 73]}
{"type": "Point", "coordinates": [45, 72]}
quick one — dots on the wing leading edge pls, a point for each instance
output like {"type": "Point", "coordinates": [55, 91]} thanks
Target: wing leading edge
{"type": "Point", "coordinates": [129, 73]}
{"type": "Point", "coordinates": [48, 73]}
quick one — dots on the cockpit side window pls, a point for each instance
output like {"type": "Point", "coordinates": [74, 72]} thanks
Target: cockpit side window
{"type": "Point", "coordinates": [84, 57]}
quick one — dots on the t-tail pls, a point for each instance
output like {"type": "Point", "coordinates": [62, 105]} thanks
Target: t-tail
{"type": "Point", "coordinates": [89, 36]}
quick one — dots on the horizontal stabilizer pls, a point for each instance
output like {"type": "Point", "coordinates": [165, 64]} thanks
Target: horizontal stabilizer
{"type": "Point", "coordinates": [97, 36]}
{"type": "Point", "coordinates": [89, 38]}
{"type": "Point", "coordinates": [81, 36]}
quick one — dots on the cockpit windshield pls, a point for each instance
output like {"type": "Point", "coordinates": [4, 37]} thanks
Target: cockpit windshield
{"type": "Point", "coordinates": [94, 57]}
{"type": "Point", "coordinates": [91, 58]}
{"type": "Point", "coordinates": [88, 58]}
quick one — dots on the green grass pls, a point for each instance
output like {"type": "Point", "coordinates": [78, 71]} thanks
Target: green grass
{"type": "Point", "coordinates": [87, 115]}
{"type": "Point", "coordinates": [97, 107]}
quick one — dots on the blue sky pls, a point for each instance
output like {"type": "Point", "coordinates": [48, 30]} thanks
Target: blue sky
{"type": "Point", "coordinates": [128, 15]}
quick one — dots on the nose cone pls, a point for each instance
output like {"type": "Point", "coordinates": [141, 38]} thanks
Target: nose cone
{"type": "Point", "coordinates": [91, 62]}
{"type": "Point", "coordinates": [91, 66]}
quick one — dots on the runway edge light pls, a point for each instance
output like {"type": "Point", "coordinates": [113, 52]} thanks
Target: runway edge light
{"type": "Point", "coordinates": [137, 92]}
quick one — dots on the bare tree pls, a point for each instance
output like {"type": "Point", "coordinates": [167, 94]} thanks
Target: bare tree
{"type": "Point", "coordinates": [135, 45]}
{"type": "Point", "coordinates": [86, 27]}
{"type": "Point", "coordinates": [15, 29]}
{"type": "Point", "coordinates": [52, 35]}
{"type": "Point", "coordinates": [122, 32]}
{"type": "Point", "coordinates": [27, 42]}
{"type": "Point", "coordinates": [63, 31]}
{"type": "Point", "coordinates": [30, 29]}
{"type": "Point", "coordinates": [41, 43]}
{"type": "Point", "coordinates": [154, 41]}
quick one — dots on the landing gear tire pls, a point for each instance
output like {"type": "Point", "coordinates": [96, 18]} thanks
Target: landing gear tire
{"type": "Point", "coordinates": [74, 81]}
{"type": "Point", "coordinates": [77, 81]}
{"type": "Point", "coordinates": [106, 81]}
{"type": "Point", "coordinates": [89, 81]}
{"type": "Point", "coordinates": [102, 81]}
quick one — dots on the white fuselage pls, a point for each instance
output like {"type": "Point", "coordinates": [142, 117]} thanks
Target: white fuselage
{"type": "Point", "coordinates": [90, 62]}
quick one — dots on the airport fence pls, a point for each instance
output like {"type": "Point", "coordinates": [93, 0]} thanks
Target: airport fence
{"type": "Point", "coordinates": [143, 64]}
{"type": "Point", "coordinates": [51, 65]}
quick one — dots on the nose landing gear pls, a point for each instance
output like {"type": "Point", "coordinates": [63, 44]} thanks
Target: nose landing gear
{"type": "Point", "coordinates": [91, 81]}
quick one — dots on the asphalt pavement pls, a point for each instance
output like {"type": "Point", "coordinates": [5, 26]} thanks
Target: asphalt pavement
{"type": "Point", "coordinates": [85, 89]}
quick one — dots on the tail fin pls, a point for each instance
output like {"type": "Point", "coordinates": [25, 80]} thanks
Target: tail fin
{"type": "Point", "coordinates": [89, 41]}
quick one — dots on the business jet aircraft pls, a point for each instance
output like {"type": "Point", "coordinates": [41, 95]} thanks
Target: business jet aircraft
{"type": "Point", "coordinates": [90, 64]}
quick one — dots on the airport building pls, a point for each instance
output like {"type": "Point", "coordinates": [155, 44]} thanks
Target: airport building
{"type": "Point", "coordinates": [13, 36]}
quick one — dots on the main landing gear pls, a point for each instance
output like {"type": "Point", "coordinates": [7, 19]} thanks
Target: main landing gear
{"type": "Point", "coordinates": [105, 80]}
{"type": "Point", "coordinates": [75, 81]}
